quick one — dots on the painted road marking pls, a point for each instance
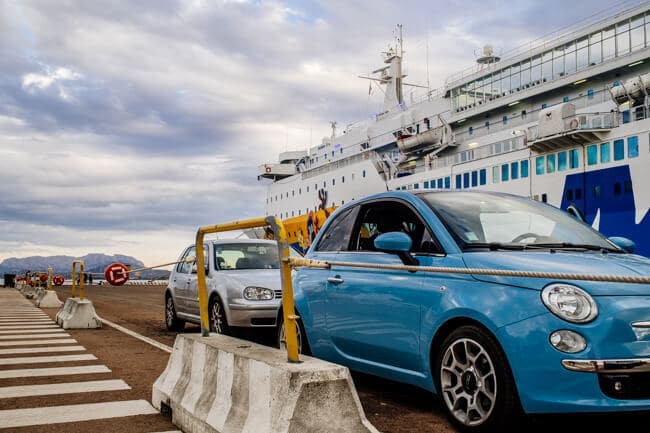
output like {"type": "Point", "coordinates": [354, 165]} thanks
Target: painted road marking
{"type": "Point", "coordinates": [21, 311]}
{"type": "Point", "coordinates": [63, 388]}
{"type": "Point", "coordinates": [74, 413]}
{"type": "Point", "coordinates": [46, 359]}
{"type": "Point", "coordinates": [53, 371]}
{"type": "Point", "coordinates": [32, 342]}
{"type": "Point", "coordinates": [32, 331]}
{"type": "Point", "coordinates": [42, 350]}
{"type": "Point", "coordinates": [140, 337]}
{"type": "Point", "coordinates": [25, 336]}
{"type": "Point", "coordinates": [43, 326]}
{"type": "Point", "coordinates": [26, 321]}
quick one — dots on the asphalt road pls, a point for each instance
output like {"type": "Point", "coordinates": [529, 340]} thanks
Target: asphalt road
{"type": "Point", "coordinates": [390, 406]}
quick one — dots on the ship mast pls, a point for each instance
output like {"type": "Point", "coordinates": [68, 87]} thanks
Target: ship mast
{"type": "Point", "coordinates": [391, 75]}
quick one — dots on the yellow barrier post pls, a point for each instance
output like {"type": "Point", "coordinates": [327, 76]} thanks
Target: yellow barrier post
{"type": "Point", "coordinates": [81, 279]}
{"type": "Point", "coordinates": [285, 274]}
{"type": "Point", "coordinates": [288, 308]}
{"type": "Point", "coordinates": [49, 278]}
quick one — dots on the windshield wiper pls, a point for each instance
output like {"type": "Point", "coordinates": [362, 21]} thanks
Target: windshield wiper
{"type": "Point", "coordinates": [571, 246]}
{"type": "Point", "coordinates": [494, 246]}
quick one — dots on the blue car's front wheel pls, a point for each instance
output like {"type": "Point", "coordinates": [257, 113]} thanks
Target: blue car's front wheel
{"type": "Point", "coordinates": [475, 383]}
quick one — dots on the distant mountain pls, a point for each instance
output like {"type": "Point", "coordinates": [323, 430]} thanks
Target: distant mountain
{"type": "Point", "coordinates": [94, 263]}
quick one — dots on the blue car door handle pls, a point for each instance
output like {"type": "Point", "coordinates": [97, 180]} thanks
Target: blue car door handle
{"type": "Point", "coordinates": [335, 280]}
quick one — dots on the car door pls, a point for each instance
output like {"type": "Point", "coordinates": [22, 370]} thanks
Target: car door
{"type": "Point", "coordinates": [310, 284]}
{"type": "Point", "coordinates": [192, 286]}
{"type": "Point", "coordinates": [181, 281]}
{"type": "Point", "coordinates": [373, 316]}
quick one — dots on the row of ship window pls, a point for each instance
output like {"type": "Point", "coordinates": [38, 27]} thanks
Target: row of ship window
{"type": "Point", "coordinates": [547, 164]}
{"type": "Point", "coordinates": [293, 192]}
{"type": "Point", "coordinates": [618, 188]}
{"type": "Point", "coordinates": [500, 173]}
{"type": "Point", "coordinates": [596, 153]}
{"type": "Point", "coordinates": [589, 50]}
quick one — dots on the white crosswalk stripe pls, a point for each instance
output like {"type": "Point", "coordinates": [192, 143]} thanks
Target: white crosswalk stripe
{"type": "Point", "coordinates": [31, 331]}
{"type": "Point", "coordinates": [17, 351]}
{"type": "Point", "coordinates": [26, 330]}
{"type": "Point", "coordinates": [44, 326]}
{"type": "Point", "coordinates": [53, 371]}
{"type": "Point", "coordinates": [62, 388]}
{"type": "Point", "coordinates": [73, 413]}
{"type": "Point", "coordinates": [46, 359]}
{"type": "Point", "coordinates": [34, 342]}
{"type": "Point", "coordinates": [28, 336]}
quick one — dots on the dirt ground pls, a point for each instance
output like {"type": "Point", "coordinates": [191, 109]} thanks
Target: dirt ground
{"type": "Point", "coordinates": [392, 407]}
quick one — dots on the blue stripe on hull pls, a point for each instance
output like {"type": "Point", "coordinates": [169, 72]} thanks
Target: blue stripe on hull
{"type": "Point", "coordinates": [611, 191]}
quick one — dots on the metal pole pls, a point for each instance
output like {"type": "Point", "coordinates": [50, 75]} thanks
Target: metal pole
{"type": "Point", "coordinates": [288, 308]}
{"type": "Point", "coordinates": [201, 287]}
{"type": "Point", "coordinates": [74, 279]}
{"type": "Point", "coordinates": [81, 280]}
{"type": "Point", "coordinates": [49, 278]}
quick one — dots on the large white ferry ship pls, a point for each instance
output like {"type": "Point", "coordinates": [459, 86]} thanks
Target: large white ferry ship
{"type": "Point", "coordinates": [564, 121]}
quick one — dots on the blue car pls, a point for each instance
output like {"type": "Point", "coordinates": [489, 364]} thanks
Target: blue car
{"type": "Point", "coordinates": [489, 346]}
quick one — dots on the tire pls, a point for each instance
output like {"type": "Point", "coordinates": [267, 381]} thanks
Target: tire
{"type": "Point", "coordinates": [172, 322]}
{"type": "Point", "coordinates": [303, 344]}
{"type": "Point", "coordinates": [475, 384]}
{"type": "Point", "coordinates": [217, 317]}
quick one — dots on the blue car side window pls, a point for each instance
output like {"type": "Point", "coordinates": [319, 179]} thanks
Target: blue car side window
{"type": "Point", "coordinates": [339, 231]}
{"type": "Point", "coordinates": [383, 217]}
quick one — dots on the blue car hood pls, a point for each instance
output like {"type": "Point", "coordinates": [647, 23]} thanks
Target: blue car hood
{"type": "Point", "coordinates": [566, 262]}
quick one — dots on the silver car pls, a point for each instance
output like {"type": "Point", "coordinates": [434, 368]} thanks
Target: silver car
{"type": "Point", "coordinates": [243, 282]}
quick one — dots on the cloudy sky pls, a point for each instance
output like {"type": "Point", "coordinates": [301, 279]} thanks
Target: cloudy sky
{"type": "Point", "coordinates": [126, 125]}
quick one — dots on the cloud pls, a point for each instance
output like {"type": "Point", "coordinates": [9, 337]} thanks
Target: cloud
{"type": "Point", "coordinates": [121, 122]}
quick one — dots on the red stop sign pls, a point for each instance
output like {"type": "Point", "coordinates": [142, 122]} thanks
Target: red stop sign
{"type": "Point", "coordinates": [43, 278]}
{"type": "Point", "coordinates": [116, 274]}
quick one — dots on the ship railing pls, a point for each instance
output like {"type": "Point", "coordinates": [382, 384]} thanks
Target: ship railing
{"type": "Point", "coordinates": [580, 103]}
{"type": "Point", "coordinates": [550, 40]}
{"type": "Point", "coordinates": [333, 165]}
{"type": "Point", "coordinates": [498, 147]}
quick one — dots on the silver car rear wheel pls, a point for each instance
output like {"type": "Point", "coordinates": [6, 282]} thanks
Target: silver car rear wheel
{"type": "Point", "coordinates": [172, 322]}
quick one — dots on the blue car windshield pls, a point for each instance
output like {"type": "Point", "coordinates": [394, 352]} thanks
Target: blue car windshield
{"type": "Point", "coordinates": [479, 219]}
{"type": "Point", "coordinates": [246, 256]}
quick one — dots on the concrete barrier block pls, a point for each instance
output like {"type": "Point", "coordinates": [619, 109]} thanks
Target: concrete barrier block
{"type": "Point", "coordinates": [220, 384]}
{"type": "Point", "coordinates": [49, 299]}
{"type": "Point", "coordinates": [78, 314]}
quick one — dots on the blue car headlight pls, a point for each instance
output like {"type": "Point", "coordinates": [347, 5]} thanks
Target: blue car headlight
{"type": "Point", "coordinates": [253, 293]}
{"type": "Point", "coordinates": [569, 303]}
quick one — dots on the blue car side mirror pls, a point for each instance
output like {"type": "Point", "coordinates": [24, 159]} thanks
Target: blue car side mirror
{"type": "Point", "coordinates": [625, 244]}
{"type": "Point", "coordinates": [397, 243]}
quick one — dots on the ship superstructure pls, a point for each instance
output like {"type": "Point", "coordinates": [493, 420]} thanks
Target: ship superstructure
{"type": "Point", "coordinates": [564, 121]}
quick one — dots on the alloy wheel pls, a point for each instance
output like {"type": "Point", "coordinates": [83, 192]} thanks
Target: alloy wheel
{"type": "Point", "coordinates": [468, 382]}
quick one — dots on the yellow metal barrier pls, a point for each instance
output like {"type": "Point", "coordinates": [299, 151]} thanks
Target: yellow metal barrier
{"type": "Point", "coordinates": [49, 278]}
{"type": "Point", "coordinates": [288, 309]}
{"type": "Point", "coordinates": [81, 279]}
